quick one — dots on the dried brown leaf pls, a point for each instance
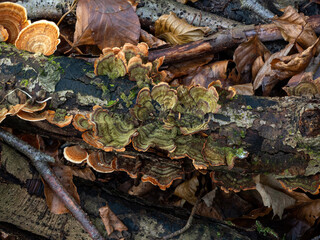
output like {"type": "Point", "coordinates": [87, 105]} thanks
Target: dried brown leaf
{"type": "Point", "coordinates": [107, 23]}
{"type": "Point", "coordinates": [246, 54]}
{"type": "Point", "coordinates": [266, 77]}
{"type": "Point", "coordinates": [111, 221]}
{"type": "Point", "coordinates": [274, 195]}
{"type": "Point", "coordinates": [288, 66]}
{"type": "Point", "coordinates": [205, 211]}
{"type": "Point", "coordinates": [177, 31]}
{"type": "Point", "coordinates": [244, 89]}
{"type": "Point", "coordinates": [308, 211]}
{"type": "Point", "coordinates": [187, 190]}
{"type": "Point", "coordinates": [142, 189]}
{"type": "Point", "coordinates": [293, 27]}
{"type": "Point", "coordinates": [151, 40]}
{"type": "Point", "coordinates": [204, 75]}
{"type": "Point", "coordinates": [64, 174]}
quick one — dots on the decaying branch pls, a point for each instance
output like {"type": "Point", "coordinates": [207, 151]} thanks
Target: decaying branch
{"type": "Point", "coordinates": [280, 134]}
{"type": "Point", "coordinates": [223, 40]}
{"type": "Point", "coordinates": [40, 162]}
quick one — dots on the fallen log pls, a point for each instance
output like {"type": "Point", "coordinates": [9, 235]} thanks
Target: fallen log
{"type": "Point", "coordinates": [248, 135]}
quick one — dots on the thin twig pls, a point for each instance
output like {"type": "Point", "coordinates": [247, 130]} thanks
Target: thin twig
{"type": "Point", "coordinates": [71, 45]}
{"type": "Point", "coordinates": [70, 10]}
{"type": "Point", "coordinates": [40, 161]}
{"type": "Point", "coordinates": [188, 224]}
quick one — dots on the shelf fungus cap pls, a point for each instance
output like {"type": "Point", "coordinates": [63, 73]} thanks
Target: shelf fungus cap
{"type": "Point", "coordinates": [139, 71]}
{"type": "Point", "coordinates": [32, 117]}
{"type": "Point", "coordinates": [112, 63]}
{"type": "Point", "coordinates": [81, 123]}
{"type": "Point", "coordinates": [4, 35]}
{"type": "Point", "coordinates": [75, 154]}
{"type": "Point", "coordinates": [34, 107]}
{"type": "Point", "coordinates": [101, 161]}
{"type": "Point", "coordinates": [59, 119]}
{"type": "Point", "coordinates": [13, 19]}
{"type": "Point", "coordinates": [39, 37]}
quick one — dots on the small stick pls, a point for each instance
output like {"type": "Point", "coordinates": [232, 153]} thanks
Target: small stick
{"type": "Point", "coordinates": [40, 161]}
{"type": "Point", "coordinates": [64, 15]}
{"type": "Point", "coordinates": [188, 224]}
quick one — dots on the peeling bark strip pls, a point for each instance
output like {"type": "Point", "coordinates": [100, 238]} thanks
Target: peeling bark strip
{"type": "Point", "coordinates": [280, 134]}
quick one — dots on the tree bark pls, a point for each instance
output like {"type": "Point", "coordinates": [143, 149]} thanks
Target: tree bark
{"type": "Point", "coordinates": [281, 135]}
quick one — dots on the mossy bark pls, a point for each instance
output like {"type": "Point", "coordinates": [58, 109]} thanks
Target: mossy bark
{"type": "Point", "coordinates": [281, 135]}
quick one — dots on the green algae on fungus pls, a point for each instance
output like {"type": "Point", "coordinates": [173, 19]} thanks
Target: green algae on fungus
{"type": "Point", "coordinates": [155, 135]}
{"type": "Point", "coordinates": [110, 131]}
{"type": "Point", "coordinates": [183, 149]}
{"type": "Point", "coordinates": [111, 64]}
{"type": "Point", "coordinates": [139, 72]}
{"type": "Point", "coordinates": [217, 155]}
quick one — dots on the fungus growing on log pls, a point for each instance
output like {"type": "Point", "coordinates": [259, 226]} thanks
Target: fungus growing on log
{"type": "Point", "coordinates": [131, 50]}
{"type": "Point", "coordinates": [13, 103]}
{"type": "Point", "coordinates": [39, 37]}
{"type": "Point", "coordinates": [34, 107]}
{"type": "Point", "coordinates": [155, 135]}
{"type": "Point", "coordinates": [4, 35]}
{"type": "Point", "coordinates": [32, 116]}
{"type": "Point", "coordinates": [75, 154]}
{"type": "Point", "coordinates": [59, 118]}
{"type": "Point", "coordinates": [183, 149]}
{"type": "Point", "coordinates": [109, 131]}
{"type": "Point", "coordinates": [101, 161]}
{"type": "Point", "coordinates": [139, 72]}
{"type": "Point", "coordinates": [13, 19]}
{"type": "Point", "coordinates": [81, 123]}
{"type": "Point", "coordinates": [112, 63]}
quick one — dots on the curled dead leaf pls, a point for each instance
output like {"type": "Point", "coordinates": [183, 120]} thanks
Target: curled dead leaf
{"type": "Point", "coordinates": [177, 31]}
{"type": "Point", "coordinates": [245, 56]}
{"type": "Point", "coordinates": [293, 27]}
{"type": "Point", "coordinates": [111, 221]}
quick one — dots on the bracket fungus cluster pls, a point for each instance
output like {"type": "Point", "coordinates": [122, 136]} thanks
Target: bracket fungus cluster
{"type": "Point", "coordinates": [38, 37]}
{"type": "Point", "coordinates": [13, 19]}
{"type": "Point", "coordinates": [158, 172]}
{"type": "Point", "coordinates": [19, 103]}
{"type": "Point", "coordinates": [163, 118]}
{"type": "Point", "coordinates": [132, 60]}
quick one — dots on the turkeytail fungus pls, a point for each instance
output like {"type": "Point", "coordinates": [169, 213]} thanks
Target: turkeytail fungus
{"type": "Point", "coordinates": [13, 19]}
{"type": "Point", "coordinates": [4, 35]}
{"type": "Point", "coordinates": [75, 154]}
{"type": "Point", "coordinates": [101, 161]}
{"type": "Point", "coordinates": [59, 118]}
{"type": "Point", "coordinates": [39, 37]}
{"type": "Point", "coordinates": [112, 63]}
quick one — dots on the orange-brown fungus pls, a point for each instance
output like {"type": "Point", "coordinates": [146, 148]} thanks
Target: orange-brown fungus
{"type": "Point", "coordinates": [75, 154]}
{"type": "Point", "coordinates": [61, 120]}
{"type": "Point", "coordinates": [39, 37]}
{"type": "Point", "coordinates": [13, 19]}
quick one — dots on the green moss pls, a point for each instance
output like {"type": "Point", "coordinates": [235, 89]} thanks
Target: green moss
{"type": "Point", "coordinates": [265, 230]}
{"type": "Point", "coordinates": [24, 82]}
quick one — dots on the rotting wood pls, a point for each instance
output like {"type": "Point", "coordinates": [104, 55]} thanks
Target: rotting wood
{"type": "Point", "coordinates": [279, 134]}
{"type": "Point", "coordinates": [223, 40]}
